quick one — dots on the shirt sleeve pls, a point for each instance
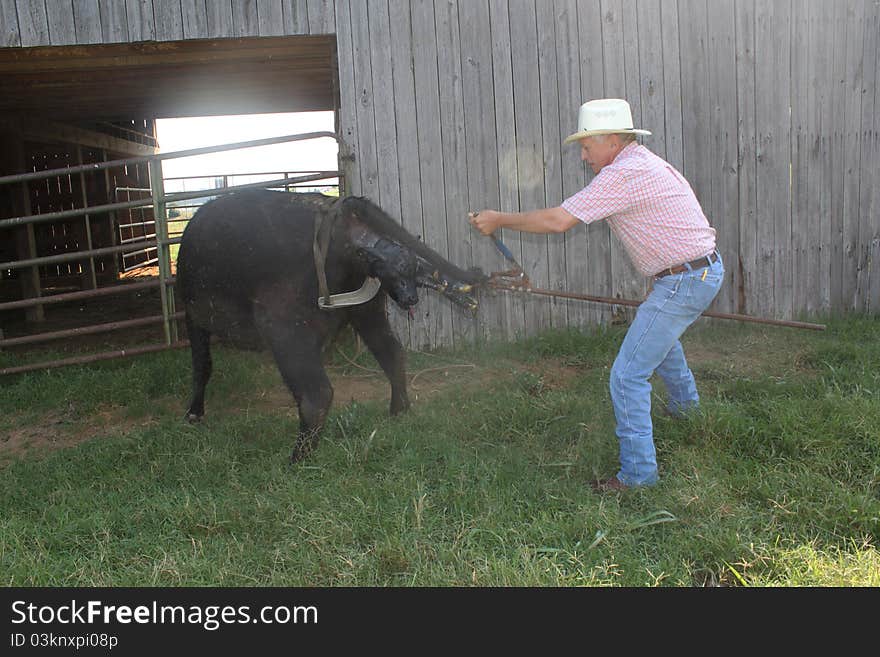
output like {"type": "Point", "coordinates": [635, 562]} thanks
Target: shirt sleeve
{"type": "Point", "coordinates": [606, 195]}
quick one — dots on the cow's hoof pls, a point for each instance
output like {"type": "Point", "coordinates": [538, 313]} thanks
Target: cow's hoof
{"type": "Point", "coordinates": [192, 418]}
{"type": "Point", "coordinates": [398, 409]}
{"type": "Point", "coordinates": [299, 454]}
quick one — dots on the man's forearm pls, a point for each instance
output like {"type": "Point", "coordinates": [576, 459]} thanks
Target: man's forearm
{"type": "Point", "coordinates": [546, 220]}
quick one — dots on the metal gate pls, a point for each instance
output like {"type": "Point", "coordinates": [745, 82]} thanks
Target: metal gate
{"type": "Point", "coordinates": [154, 237]}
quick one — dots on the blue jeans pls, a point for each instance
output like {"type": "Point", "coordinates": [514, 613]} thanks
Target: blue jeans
{"type": "Point", "coordinates": [652, 344]}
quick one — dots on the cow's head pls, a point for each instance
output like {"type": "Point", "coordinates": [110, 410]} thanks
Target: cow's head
{"type": "Point", "coordinates": [401, 261]}
{"type": "Point", "coordinates": [397, 268]}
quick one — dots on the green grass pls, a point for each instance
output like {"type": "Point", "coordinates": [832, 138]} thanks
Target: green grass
{"type": "Point", "coordinates": [776, 482]}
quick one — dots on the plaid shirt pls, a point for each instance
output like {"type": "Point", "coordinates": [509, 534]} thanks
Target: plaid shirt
{"type": "Point", "coordinates": [650, 207]}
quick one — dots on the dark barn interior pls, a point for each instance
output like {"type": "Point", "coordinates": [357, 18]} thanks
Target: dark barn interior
{"type": "Point", "coordinates": [62, 106]}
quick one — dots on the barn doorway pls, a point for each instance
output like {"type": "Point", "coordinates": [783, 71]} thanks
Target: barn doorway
{"type": "Point", "coordinates": [70, 106]}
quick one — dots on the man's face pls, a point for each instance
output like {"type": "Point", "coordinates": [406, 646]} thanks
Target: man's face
{"type": "Point", "coordinates": [599, 151]}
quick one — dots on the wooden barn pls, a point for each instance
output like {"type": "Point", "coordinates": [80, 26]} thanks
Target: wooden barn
{"type": "Point", "coordinates": [444, 106]}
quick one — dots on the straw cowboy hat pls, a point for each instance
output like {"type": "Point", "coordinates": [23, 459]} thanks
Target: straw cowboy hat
{"type": "Point", "coordinates": [604, 117]}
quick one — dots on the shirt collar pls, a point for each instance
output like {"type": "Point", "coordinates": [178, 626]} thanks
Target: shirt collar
{"type": "Point", "coordinates": [626, 151]}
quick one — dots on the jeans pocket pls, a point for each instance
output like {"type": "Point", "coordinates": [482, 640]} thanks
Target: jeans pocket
{"type": "Point", "coordinates": [704, 289]}
{"type": "Point", "coordinates": [669, 285]}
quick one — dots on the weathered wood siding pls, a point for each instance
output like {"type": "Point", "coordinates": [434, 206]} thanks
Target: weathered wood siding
{"type": "Point", "coordinates": [769, 108]}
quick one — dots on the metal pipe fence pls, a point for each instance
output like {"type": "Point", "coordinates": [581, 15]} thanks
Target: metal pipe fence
{"type": "Point", "coordinates": [159, 201]}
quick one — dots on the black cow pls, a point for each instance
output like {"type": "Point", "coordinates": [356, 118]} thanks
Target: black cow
{"type": "Point", "coordinates": [247, 272]}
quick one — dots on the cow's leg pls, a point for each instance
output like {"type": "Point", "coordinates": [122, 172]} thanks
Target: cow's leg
{"type": "Point", "coordinates": [297, 352]}
{"type": "Point", "coordinates": [200, 349]}
{"type": "Point", "coordinates": [371, 322]}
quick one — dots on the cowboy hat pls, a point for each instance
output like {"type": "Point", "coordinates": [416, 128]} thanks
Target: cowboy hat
{"type": "Point", "coordinates": [605, 116]}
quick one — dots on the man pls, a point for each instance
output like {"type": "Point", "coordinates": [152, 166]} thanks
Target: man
{"type": "Point", "coordinates": [653, 211]}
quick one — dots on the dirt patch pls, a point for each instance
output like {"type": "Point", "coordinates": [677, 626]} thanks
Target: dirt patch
{"type": "Point", "coordinates": [554, 374]}
{"type": "Point", "coordinates": [59, 429]}
{"type": "Point", "coordinates": [764, 353]}
{"type": "Point", "coordinates": [64, 428]}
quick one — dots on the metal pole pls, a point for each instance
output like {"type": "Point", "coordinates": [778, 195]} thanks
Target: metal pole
{"type": "Point", "coordinates": [96, 166]}
{"type": "Point", "coordinates": [181, 196]}
{"type": "Point", "coordinates": [74, 255]}
{"type": "Point", "coordinates": [112, 218]}
{"type": "Point", "coordinates": [83, 330]}
{"type": "Point", "coordinates": [156, 184]}
{"type": "Point", "coordinates": [79, 296]}
{"type": "Point", "coordinates": [629, 302]}
{"type": "Point", "coordinates": [93, 281]}
{"type": "Point", "coordinates": [93, 358]}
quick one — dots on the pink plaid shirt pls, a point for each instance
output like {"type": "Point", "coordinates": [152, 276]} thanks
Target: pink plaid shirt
{"type": "Point", "coordinates": [650, 207]}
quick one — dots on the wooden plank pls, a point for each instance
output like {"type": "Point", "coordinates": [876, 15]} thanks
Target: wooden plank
{"type": "Point", "coordinates": [141, 23]}
{"type": "Point", "coordinates": [363, 86]}
{"type": "Point", "coordinates": [772, 82]}
{"type": "Point", "coordinates": [31, 23]}
{"type": "Point", "coordinates": [455, 175]}
{"type": "Point", "coordinates": [632, 283]}
{"type": "Point", "coordinates": [672, 83]}
{"type": "Point", "coordinates": [811, 173]}
{"type": "Point", "coordinates": [598, 235]}
{"type": "Point", "coordinates": [696, 113]}
{"type": "Point", "coordinates": [548, 77]}
{"type": "Point", "coordinates": [723, 212]}
{"type": "Point", "coordinates": [480, 150]}
{"type": "Point", "coordinates": [270, 17]}
{"type": "Point", "coordinates": [245, 20]}
{"type": "Point", "coordinates": [746, 300]}
{"type": "Point", "coordinates": [651, 79]}
{"type": "Point", "coordinates": [632, 46]}
{"type": "Point", "coordinates": [802, 194]}
{"type": "Point", "coordinates": [11, 34]}
{"type": "Point", "coordinates": [87, 21]}
{"type": "Point", "coordinates": [347, 114]}
{"type": "Point", "coordinates": [837, 26]}
{"type": "Point", "coordinates": [321, 17]}
{"type": "Point", "coordinates": [302, 54]}
{"type": "Point", "coordinates": [571, 169]}
{"type": "Point", "coordinates": [433, 325]}
{"type": "Point", "coordinates": [626, 282]}
{"type": "Point", "coordinates": [62, 30]}
{"type": "Point", "coordinates": [529, 154]}
{"type": "Point", "coordinates": [502, 75]}
{"type": "Point", "coordinates": [169, 20]}
{"type": "Point", "coordinates": [408, 161]}
{"type": "Point", "coordinates": [381, 64]}
{"type": "Point", "coordinates": [869, 220]}
{"type": "Point", "coordinates": [805, 228]}
{"type": "Point", "coordinates": [296, 16]}
{"type": "Point", "coordinates": [823, 34]}
{"type": "Point", "coordinates": [114, 25]}
{"type": "Point", "coordinates": [194, 15]}
{"type": "Point", "coordinates": [40, 130]}
{"type": "Point", "coordinates": [219, 19]}
{"type": "Point", "coordinates": [851, 119]}
{"type": "Point", "coordinates": [384, 100]}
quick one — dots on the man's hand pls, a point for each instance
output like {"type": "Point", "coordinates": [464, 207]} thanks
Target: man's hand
{"type": "Point", "coordinates": [485, 221]}
{"type": "Point", "coordinates": [548, 220]}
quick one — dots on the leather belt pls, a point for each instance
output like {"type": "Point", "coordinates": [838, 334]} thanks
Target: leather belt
{"type": "Point", "coordinates": [705, 261]}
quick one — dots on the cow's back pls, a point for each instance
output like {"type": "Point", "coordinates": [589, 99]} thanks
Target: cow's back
{"type": "Point", "coordinates": [239, 245]}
